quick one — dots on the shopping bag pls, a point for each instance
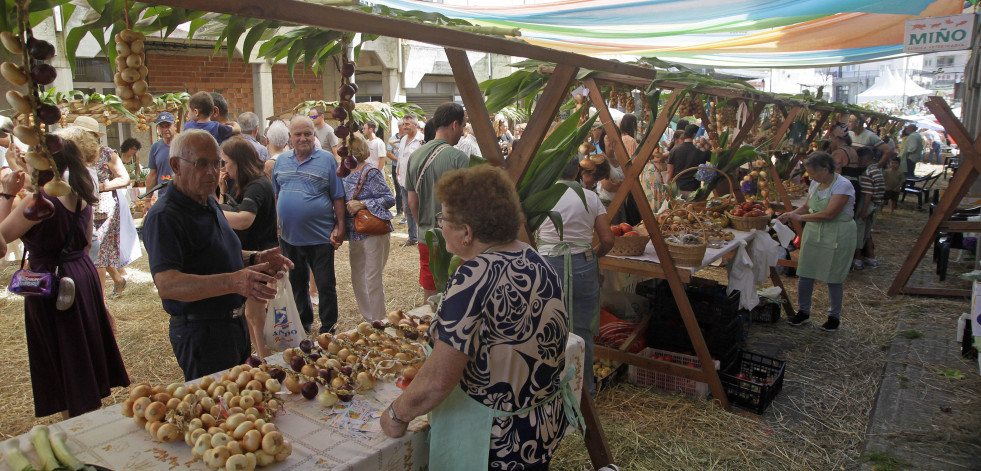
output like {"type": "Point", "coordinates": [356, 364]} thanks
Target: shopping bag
{"type": "Point", "coordinates": [283, 329]}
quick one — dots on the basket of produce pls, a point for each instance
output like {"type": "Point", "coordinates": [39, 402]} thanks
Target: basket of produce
{"type": "Point", "coordinates": [748, 216]}
{"type": "Point", "coordinates": [714, 203]}
{"type": "Point", "coordinates": [628, 241]}
{"type": "Point", "coordinates": [686, 245]}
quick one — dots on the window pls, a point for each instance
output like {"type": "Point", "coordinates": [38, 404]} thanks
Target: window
{"type": "Point", "coordinates": [945, 61]}
{"type": "Point", "coordinates": [841, 93]}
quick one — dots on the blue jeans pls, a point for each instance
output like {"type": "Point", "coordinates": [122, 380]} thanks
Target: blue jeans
{"type": "Point", "coordinates": [934, 153]}
{"type": "Point", "coordinates": [410, 218]}
{"type": "Point", "coordinates": [805, 288]}
{"type": "Point", "coordinates": [585, 303]}
{"type": "Point", "coordinates": [320, 260]}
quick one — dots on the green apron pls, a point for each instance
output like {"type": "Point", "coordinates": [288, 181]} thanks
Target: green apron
{"type": "Point", "coordinates": [564, 250]}
{"type": "Point", "coordinates": [826, 248]}
{"type": "Point", "coordinates": [460, 427]}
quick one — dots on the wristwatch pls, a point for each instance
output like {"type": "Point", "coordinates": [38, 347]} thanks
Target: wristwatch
{"type": "Point", "coordinates": [252, 258]}
{"type": "Point", "coordinates": [7, 196]}
{"type": "Point", "coordinates": [391, 415]}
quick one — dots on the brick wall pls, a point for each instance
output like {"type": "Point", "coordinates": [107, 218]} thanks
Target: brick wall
{"type": "Point", "coordinates": [193, 71]}
{"type": "Point", "coordinates": [308, 87]}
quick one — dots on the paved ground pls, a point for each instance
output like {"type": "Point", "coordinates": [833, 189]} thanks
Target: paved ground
{"type": "Point", "coordinates": [923, 419]}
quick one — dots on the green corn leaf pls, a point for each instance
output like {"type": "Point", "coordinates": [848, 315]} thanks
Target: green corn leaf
{"type": "Point", "coordinates": [439, 258]}
{"type": "Point", "coordinates": [252, 37]}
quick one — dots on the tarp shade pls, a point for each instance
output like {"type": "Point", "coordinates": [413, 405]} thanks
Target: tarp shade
{"type": "Point", "coordinates": [889, 87]}
{"type": "Point", "coordinates": [720, 33]}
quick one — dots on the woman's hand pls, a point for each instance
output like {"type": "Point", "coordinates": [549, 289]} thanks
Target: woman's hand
{"type": "Point", "coordinates": [354, 206]}
{"type": "Point", "coordinates": [787, 217]}
{"type": "Point", "coordinates": [223, 181]}
{"type": "Point", "coordinates": [391, 428]}
{"type": "Point", "coordinates": [13, 182]}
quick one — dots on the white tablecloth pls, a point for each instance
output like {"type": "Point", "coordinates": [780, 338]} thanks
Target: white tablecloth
{"type": "Point", "coordinates": [711, 255]}
{"type": "Point", "coordinates": [105, 437]}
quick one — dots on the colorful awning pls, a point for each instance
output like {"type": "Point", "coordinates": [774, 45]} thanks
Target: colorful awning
{"type": "Point", "coordinates": [719, 33]}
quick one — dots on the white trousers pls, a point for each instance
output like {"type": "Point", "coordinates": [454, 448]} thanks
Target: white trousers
{"type": "Point", "coordinates": [368, 258]}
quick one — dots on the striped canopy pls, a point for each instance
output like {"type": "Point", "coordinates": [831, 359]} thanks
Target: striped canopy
{"type": "Point", "coordinates": [719, 33]}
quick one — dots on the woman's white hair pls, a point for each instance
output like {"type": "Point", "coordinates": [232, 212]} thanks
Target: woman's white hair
{"type": "Point", "coordinates": [278, 134]}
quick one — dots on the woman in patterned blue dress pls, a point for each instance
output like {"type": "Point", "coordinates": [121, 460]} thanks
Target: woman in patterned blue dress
{"type": "Point", "coordinates": [497, 370]}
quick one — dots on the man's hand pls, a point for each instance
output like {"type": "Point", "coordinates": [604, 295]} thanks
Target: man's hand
{"type": "Point", "coordinates": [337, 235]}
{"type": "Point", "coordinates": [391, 428]}
{"type": "Point", "coordinates": [255, 285]}
{"type": "Point", "coordinates": [13, 182]}
{"type": "Point", "coordinates": [278, 264]}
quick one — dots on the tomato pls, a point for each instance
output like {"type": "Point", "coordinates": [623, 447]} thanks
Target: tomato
{"type": "Point", "coordinates": [631, 234]}
{"type": "Point", "coordinates": [616, 230]}
{"type": "Point", "coordinates": [626, 227]}
{"type": "Point", "coordinates": [402, 383]}
{"type": "Point", "coordinates": [668, 358]}
{"type": "Point", "coordinates": [754, 213]}
{"type": "Point", "coordinates": [691, 365]}
{"type": "Point", "coordinates": [739, 213]}
{"type": "Point", "coordinates": [742, 377]}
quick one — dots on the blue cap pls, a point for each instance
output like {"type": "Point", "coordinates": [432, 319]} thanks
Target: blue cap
{"type": "Point", "coordinates": [166, 117]}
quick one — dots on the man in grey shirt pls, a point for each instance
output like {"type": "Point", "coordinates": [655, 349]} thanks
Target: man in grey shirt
{"type": "Point", "coordinates": [249, 122]}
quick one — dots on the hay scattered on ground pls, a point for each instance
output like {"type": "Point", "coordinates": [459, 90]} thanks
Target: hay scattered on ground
{"type": "Point", "coordinates": [819, 421]}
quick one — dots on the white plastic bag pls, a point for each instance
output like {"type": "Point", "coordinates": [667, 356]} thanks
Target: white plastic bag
{"type": "Point", "coordinates": [283, 329]}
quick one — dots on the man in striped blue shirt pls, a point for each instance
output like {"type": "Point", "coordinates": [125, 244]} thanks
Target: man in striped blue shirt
{"type": "Point", "coordinates": [310, 206]}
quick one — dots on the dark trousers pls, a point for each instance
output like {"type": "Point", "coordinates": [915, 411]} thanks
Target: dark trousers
{"type": "Point", "coordinates": [203, 347]}
{"type": "Point", "coordinates": [320, 260]}
{"type": "Point", "coordinates": [398, 189]}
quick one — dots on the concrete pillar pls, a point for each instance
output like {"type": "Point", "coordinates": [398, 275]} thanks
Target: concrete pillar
{"type": "Point", "coordinates": [332, 80]}
{"type": "Point", "coordinates": [392, 86]}
{"type": "Point", "coordinates": [46, 31]}
{"type": "Point", "coordinates": [262, 83]}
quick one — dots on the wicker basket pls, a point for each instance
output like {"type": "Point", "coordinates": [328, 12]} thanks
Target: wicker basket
{"type": "Point", "coordinates": [698, 205]}
{"type": "Point", "coordinates": [689, 255]}
{"type": "Point", "coordinates": [629, 246]}
{"type": "Point", "coordinates": [742, 223]}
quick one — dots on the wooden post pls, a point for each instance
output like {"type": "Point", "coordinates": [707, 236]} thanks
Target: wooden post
{"type": "Point", "coordinates": [632, 185]}
{"type": "Point", "coordinates": [473, 99]}
{"type": "Point", "coordinates": [777, 182]}
{"type": "Point", "coordinates": [599, 450]}
{"type": "Point", "coordinates": [963, 178]}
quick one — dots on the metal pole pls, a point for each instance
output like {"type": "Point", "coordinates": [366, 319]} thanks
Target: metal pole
{"type": "Point", "coordinates": [972, 84]}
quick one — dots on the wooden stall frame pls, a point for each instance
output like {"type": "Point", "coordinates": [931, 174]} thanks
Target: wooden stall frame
{"type": "Point", "coordinates": [963, 178]}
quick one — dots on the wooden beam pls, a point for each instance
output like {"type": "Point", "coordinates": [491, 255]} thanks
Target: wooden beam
{"type": "Point", "coordinates": [788, 306]}
{"type": "Point", "coordinates": [603, 78]}
{"type": "Point", "coordinates": [541, 119]}
{"type": "Point", "coordinates": [341, 19]}
{"type": "Point", "coordinates": [674, 369]}
{"type": "Point", "coordinates": [599, 450]}
{"type": "Point", "coordinates": [936, 292]}
{"type": "Point", "coordinates": [606, 120]}
{"type": "Point", "coordinates": [968, 172]}
{"type": "Point", "coordinates": [960, 226]}
{"type": "Point", "coordinates": [784, 196]}
{"type": "Point", "coordinates": [638, 267]}
{"type": "Point", "coordinates": [473, 99]}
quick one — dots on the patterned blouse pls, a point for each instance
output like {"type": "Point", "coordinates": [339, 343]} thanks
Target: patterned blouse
{"type": "Point", "coordinates": [375, 194]}
{"type": "Point", "coordinates": [505, 311]}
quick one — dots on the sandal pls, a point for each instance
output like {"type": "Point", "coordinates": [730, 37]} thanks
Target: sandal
{"type": "Point", "coordinates": [117, 290]}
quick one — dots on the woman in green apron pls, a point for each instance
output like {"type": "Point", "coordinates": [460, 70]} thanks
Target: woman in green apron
{"type": "Point", "coordinates": [829, 237]}
{"type": "Point", "coordinates": [496, 382]}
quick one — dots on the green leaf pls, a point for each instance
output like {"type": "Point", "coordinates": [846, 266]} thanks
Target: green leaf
{"type": "Point", "coordinates": [439, 258]}
{"type": "Point", "coordinates": [294, 54]}
{"type": "Point", "coordinates": [194, 26]}
{"type": "Point", "coordinates": [236, 26]}
{"type": "Point", "coordinates": [253, 36]}
{"type": "Point", "coordinates": [951, 373]}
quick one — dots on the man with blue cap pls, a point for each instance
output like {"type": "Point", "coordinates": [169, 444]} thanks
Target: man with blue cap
{"type": "Point", "coordinates": [159, 163]}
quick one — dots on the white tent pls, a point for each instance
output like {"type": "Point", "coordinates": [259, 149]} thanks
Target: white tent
{"type": "Point", "coordinates": [890, 87]}
{"type": "Point", "coordinates": [924, 121]}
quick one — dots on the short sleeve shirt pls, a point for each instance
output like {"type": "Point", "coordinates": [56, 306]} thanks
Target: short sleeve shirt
{"type": "Point", "coordinates": [376, 152]}
{"type": "Point", "coordinates": [866, 138]}
{"type": "Point", "coordinates": [406, 148]}
{"type": "Point", "coordinates": [306, 192]}
{"type": "Point", "coordinates": [577, 222]}
{"type": "Point", "coordinates": [683, 157]}
{"type": "Point", "coordinates": [184, 235]}
{"type": "Point", "coordinates": [840, 186]}
{"type": "Point", "coordinates": [221, 132]}
{"type": "Point", "coordinates": [504, 310]}
{"type": "Point", "coordinates": [160, 161]}
{"type": "Point", "coordinates": [326, 135]}
{"type": "Point", "coordinates": [258, 199]}
{"type": "Point", "coordinates": [449, 158]}
{"type": "Point", "coordinates": [259, 148]}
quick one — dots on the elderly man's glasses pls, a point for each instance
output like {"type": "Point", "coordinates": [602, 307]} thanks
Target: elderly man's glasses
{"type": "Point", "coordinates": [440, 219]}
{"type": "Point", "coordinates": [201, 164]}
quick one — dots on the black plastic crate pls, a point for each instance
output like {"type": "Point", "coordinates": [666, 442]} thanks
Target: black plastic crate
{"type": "Point", "coordinates": [766, 312]}
{"type": "Point", "coordinates": [669, 333]}
{"type": "Point", "coordinates": [711, 305]}
{"type": "Point", "coordinates": [753, 381]}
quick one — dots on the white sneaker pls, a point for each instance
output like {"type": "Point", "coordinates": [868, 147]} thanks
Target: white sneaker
{"type": "Point", "coordinates": [871, 262]}
{"type": "Point", "coordinates": [857, 265]}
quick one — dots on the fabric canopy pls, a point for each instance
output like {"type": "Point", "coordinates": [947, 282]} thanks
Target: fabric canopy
{"type": "Point", "coordinates": [719, 33]}
{"type": "Point", "coordinates": [888, 87]}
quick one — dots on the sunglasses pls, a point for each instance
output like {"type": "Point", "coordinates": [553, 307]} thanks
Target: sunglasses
{"type": "Point", "coordinates": [315, 116]}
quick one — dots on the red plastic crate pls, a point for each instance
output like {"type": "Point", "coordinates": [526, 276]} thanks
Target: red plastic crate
{"type": "Point", "coordinates": [669, 383]}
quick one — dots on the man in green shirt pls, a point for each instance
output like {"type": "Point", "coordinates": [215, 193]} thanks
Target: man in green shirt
{"type": "Point", "coordinates": [426, 165]}
{"type": "Point", "coordinates": [911, 151]}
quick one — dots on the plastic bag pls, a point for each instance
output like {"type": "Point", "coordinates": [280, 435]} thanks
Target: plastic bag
{"type": "Point", "coordinates": [283, 329]}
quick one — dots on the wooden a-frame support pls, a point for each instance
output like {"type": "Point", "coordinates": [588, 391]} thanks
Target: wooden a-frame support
{"type": "Point", "coordinates": [964, 177]}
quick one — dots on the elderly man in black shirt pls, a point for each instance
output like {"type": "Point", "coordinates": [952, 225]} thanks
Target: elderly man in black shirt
{"type": "Point", "coordinates": [685, 156]}
{"type": "Point", "coordinates": [198, 264]}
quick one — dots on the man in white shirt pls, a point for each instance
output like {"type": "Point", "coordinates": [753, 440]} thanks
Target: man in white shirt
{"type": "Point", "coordinates": [376, 146]}
{"type": "Point", "coordinates": [325, 133]}
{"type": "Point", "coordinates": [862, 137]}
{"type": "Point", "coordinates": [931, 146]}
{"type": "Point", "coordinates": [411, 140]}
{"type": "Point", "coordinates": [468, 143]}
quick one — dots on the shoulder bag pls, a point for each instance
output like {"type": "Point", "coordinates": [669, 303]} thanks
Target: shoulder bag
{"type": "Point", "coordinates": [366, 223]}
{"type": "Point", "coordinates": [43, 284]}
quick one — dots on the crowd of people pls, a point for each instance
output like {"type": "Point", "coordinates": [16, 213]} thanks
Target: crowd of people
{"type": "Point", "coordinates": [237, 209]}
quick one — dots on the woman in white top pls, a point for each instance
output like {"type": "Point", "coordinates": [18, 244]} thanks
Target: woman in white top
{"type": "Point", "coordinates": [574, 256]}
{"type": "Point", "coordinates": [829, 237]}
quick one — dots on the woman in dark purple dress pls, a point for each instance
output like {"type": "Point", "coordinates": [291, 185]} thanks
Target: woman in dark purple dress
{"type": "Point", "coordinates": [73, 353]}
